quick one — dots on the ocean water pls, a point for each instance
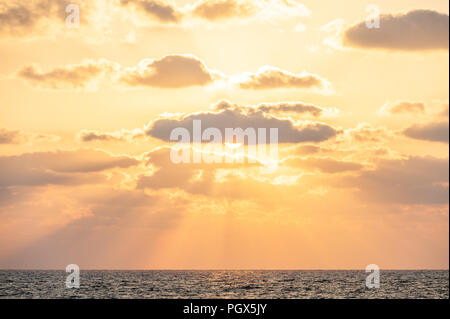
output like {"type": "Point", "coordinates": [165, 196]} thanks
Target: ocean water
{"type": "Point", "coordinates": [224, 284]}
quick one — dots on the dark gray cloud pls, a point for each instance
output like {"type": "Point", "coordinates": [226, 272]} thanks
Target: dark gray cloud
{"type": "Point", "coordinates": [415, 30]}
{"type": "Point", "coordinates": [244, 117]}
{"type": "Point", "coordinates": [434, 132]}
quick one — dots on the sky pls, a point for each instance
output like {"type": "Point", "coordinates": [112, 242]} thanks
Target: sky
{"type": "Point", "coordinates": [89, 97]}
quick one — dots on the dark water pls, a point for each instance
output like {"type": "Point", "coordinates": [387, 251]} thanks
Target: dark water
{"type": "Point", "coordinates": [224, 284]}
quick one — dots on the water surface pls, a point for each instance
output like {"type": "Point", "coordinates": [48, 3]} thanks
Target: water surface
{"type": "Point", "coordinates": [224, 284]}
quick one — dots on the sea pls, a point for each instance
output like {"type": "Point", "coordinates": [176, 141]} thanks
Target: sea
{"type": "Point", "coordinates": [223, 284]}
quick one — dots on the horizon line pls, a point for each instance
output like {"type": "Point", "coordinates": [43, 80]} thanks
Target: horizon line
{"type": "Point", "coordinates": [223, 269]}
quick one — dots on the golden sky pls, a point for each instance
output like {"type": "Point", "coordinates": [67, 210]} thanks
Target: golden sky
{"type": "Point", "coordinates": [86, 112]}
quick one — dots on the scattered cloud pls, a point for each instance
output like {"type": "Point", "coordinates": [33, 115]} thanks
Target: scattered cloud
{"type": "Point", "coordinates": [433, 132]}
{"type": "Point", "coordinates": [18, 137]}
{"type": "Point", "coordinates": [171, 71]}
{"type": "Point", "coordinates": [161, 10]}
{"type": "Point", "coordinates": [215, 11]}
{"type": "Point", "coordinates": [119, 136]}
{"type": "Point", "coordinates": [299, 108]}
{"type": "Point", "coordinates": [244, 117]}
{"type": "Point", "coordinates": [365, 132]}
{"type": "Point", "coordinates": [21, 18]}
{"type": "Point", "coordinates": [269, 77]}
{"type": "Point", "coordinates": [402, 108]}
{"type": "Point", "coordinates": [11, 137]}
{"type": "Point", "coordinates": [68, 76]}
{"type": "Point", "coordinates": [411, 31]}
{"type": "Point", "coordinates": [223, 9]}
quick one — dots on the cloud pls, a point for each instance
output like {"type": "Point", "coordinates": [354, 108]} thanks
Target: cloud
{"type": "Point", "coordinates": [182, 175]}
{"type": "Point", "coordinates": [68, 76]}
{"type": "Point", "coordinates": [269, 109]}
{"type": "Point", "coordinates": [365, 132]}
{"type": "Point", "coordinates": [43, 137]}
{"type": "Point", "coordinates": [202, 179]}
{"type": "Point", "coordinates": [412, 31]}
{"type": "Point", "coordinates": [445, 111]}
{"type": "Point", "coordinates": [18, 137]}
{"type": "Point", "coordinates": [434, 132]}
{"type": "Point", "coordinates": [171, 71]}
{"type": "Point", "coordinates": [415, 180]}
{"type": "Point", "coordinates": [244, 117]}
{"type": "Point", "coordinates": [291, 107]}
{"type": "Point", "coordinates": [60, 167]}
{"type": "Point", "coordinates": [325, 165]}
{"type": "Point", "coordinates": [214, 10]}
{"type": "Point", "coordinates": [120, 136]}
{"type": "Point", "coordinates": [24, 18]}
{"type": "Point", "coordinates": [270, 10]}
{"type": "Point", "coordinates": [218, 11]}
{"type": "Point", "coordinates": [11, 137]}
{"type": "Point", "coordinates": [309, 149]}
{"type": "Point", "coordinates": [299, 108]}
{"type": "Point", "coordinates": [20, 18]}
{"type": "Point", "coordinates": [269, 77]}
{"type": "Point", "coordinates": [163, 11]}
{"type": "Point", "coordinates": [402, 108]}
